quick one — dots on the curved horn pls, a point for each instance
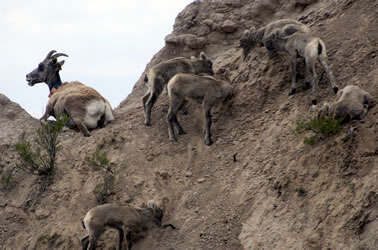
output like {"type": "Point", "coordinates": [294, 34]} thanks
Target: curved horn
{"type": "Point", "coordinates": [50, 54]}
{"type": "Point", "coordinates": [58, 55]}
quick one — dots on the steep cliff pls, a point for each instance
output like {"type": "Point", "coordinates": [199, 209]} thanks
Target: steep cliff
{"type": "Point", "coordinates": [259, 186]}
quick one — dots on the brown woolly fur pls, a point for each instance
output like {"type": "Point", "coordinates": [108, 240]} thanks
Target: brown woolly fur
{"type": "Point", "coordinates": [159, 75]}
{"type": "Point", "coordinates": [351, 103]}
{"type": "Point", "coordinates": [205, 90]}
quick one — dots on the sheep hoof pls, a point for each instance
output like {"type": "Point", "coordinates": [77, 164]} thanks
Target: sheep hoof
{"type": "Point", "coordinates": [86, 134]}
{"type": "Point", "coordinates": [292, 92]}
{"type": "Point", "coordinates": [172, 140]}
{"type": "Point", "coordinates": [335, 90]}
{"type": "Point", "coordinates": [182, 132]}
{"type": "Point", "coordinates": [314, 102]}
{"type": "Point", "coordinates": [147, 123]}
{"type": "Point", "coordinates": [208, 142]}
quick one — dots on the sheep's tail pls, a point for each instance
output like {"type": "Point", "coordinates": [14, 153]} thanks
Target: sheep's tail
{"type": "Point", "coordinates": [320, 48]}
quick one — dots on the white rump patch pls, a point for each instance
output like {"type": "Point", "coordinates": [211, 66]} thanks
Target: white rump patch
{"type": "Point", "coordinates": [95, 109]}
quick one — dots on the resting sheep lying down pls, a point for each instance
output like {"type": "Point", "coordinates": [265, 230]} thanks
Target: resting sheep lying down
{"type": "Point", "coordinates": [205, 90]}
{"type": "Point", "coordinates": [85, 107]}
{"type": "Point", "coordinates": [351, 103]}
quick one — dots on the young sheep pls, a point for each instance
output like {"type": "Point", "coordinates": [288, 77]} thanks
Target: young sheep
{"type": "Point", "coordinates": [305, 45]}
{"type": "Point", "coordinates": [159, 75]}
{"type": "Point", "coordinates": [252, 37]}
{"type": "Point", "coordinates": [351, 103]}
{"type": "Point", "coordinates": [205, 90]}
{"type": "Point", "coordinates": [84, 105]}
{"type": "Point", "coordinates": [124, 218]}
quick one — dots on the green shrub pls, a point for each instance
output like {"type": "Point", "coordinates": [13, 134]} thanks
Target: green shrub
{"type": "Point", "coordinates": [323, 127]}
{"type": "Point", "coordinates": [104, 190]}
{"type": "Point", "coordinates": [6, 179]}
{"type": "Point", "coordinates": [39, 158]}
{"type": "Point", "coordinates": [100, 160]}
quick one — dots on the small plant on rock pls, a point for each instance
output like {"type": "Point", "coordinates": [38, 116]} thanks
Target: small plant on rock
{"type": "Point", "coordinates": [39, 158]}
{"type": "Point", "coordinates": [320, 128]}
{"type": "Point", "coordinates": [102, 191]}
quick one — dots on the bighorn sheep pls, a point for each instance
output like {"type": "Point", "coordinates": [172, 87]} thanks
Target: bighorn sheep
{"type": "Point", "coordinates": [124, 218]}
{"type": "Point", "coordinates": [205, 90]}
{"type": "Point", "coordinates": [297, 40]}
{"type": "Point", "coordinates": [159, 75]}
{"type": "Point", "coordinates": [252, 37]}
{"type": "Point", "coordinates": [84, 105]}
{"type": "Point", "coordinates": [305, 45]}
{"type": "Point", "coordinates": [351, 103]}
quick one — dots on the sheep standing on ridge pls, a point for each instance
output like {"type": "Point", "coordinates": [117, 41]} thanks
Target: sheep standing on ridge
{"type": "Point", "coordinates": [351, 103]}
{"type": "Point", "coordinates": [159, 75]}
{"type": "Point", "coordinates": [85, 107]}
{"type": "Point", "coordinates": [205, 90]}
{"type": "Point", "coordinates": [126, 219]}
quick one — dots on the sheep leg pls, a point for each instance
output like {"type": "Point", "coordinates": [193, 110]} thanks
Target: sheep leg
{"type": "Point", "coordinates": [85, 242]}
{"type": "Point", "coordinates": [81, 126]}
{"type": "Point", "coordinates": [307, 83]}
{"type": "Point", "coordinates": [144, 100]}
{"type": "Point", "coordinates": [171, 116]}
{"type": "Point", "coordinates": [207, 114]}
{"type": "Point", "coordinates": [179, 128]}
{"type": "Point", "coordinates": [48, 111]}
{"type": "Point", "coordinates": [330, 75]}
{"type": "Point", "coordinates": [120, 239]}
{"type": "Point", "coordinates": [129, 243]}
{"type": "Point", "coordinates": [314, 80]}
{"type": "Point", "coordinates": [293, 66]}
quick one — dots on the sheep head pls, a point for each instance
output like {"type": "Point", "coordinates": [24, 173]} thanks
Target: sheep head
{"type": "Point", "coordinates": [46, 70]}
{"type": "Point", "coordinates": [202, 64]}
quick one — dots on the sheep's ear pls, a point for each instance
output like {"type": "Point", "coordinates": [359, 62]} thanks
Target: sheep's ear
{"type": "Point", "coordinates": [203, 56]}
{"type": "Point", "coordinates": [193, 58]}
{"type": "Point", "coordinates": [246, 33]}
{"type": "Point", "coordinates": [252, 30]}
{"type": "Point", "coordinates": [151, 204]}
{"type": "Point", "coordinates": [60, 64]}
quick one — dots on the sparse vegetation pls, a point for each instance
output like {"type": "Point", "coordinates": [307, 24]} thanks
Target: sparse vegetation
{"type": "Point", "coordinates": [39, 158]}
{"type": "Point", "coordinates": [322, 128]}
{"type": "Point", "coordinates": [6, 178]}
{"type": "Point", "coordinates": [102, 191]}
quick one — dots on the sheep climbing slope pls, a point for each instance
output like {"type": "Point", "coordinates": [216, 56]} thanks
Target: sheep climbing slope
{"type": "Point", "coordinates": [258, 186]}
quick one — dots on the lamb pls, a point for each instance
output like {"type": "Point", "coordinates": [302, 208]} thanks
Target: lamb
{"type": "Point", "coordinates": [205, 90]}
{"type": "Point", "coordinates": [305, 45]}
{"type": "Point", "coordinates": [85, 107]}
{"type": "Point", "coordinates": [124, 218]}
{"type": "Point", "coordinates": [159, 75]}
{"type": "Point", "coordinates": [351, 103]}
{"type": "Point", "coordinates": [252, 38]}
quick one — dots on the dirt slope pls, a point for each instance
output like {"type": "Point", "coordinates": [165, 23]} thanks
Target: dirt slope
{"type": "Point", "coordinates": [259, 186]}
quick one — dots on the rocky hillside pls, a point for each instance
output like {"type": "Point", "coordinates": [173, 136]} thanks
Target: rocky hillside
{"type": "Point", "coordinates": [258, 186]}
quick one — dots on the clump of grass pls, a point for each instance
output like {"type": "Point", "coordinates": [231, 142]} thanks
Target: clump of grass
{"type": "Point", "coordinates": [102, 191]}
{"type": "Point", "coordinates": [6, 179]}
{"type": "Point", "coordinates": [100, 160]}
{"type": "Point", "coordinates": [322, 128]}
{"type": "Point", "coordinates": [39, 158]}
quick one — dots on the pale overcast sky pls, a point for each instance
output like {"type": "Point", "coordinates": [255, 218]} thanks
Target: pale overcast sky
{"type": "Point", "coordinates": [109, 43]}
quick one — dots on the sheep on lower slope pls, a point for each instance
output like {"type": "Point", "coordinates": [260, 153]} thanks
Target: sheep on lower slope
{"type": "Point", "coordinates": [85, 107]}
{"type": "Point", "coordinates": [159, 75]}
{"type": "Point", "coordinates": [205, 90]}
{"type": "Point", "coordinates": [126, 219]}
{"type": "Point", "coordinates": [351, 103]}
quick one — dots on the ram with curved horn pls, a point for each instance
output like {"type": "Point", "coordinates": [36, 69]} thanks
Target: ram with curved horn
{"type": "Point", "coordinates": [86, 108]}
